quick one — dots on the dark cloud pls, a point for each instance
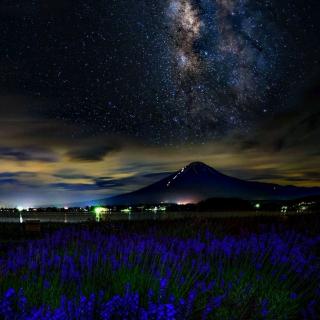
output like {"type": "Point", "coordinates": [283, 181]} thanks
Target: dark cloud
{"type": "Point", "coordinates": [18, 174]}
{"type": "Point", "coordinates": [28, 154]}
{"type": "Point", "coordinates": [91, 152]}
{"type": "Point", "coordinates": [110, 183]}
{"type": "Point", "coordinates": [8, 181]}
{"type": "Point", "coordinates": [138, 179]}
{"type": "Point", "coordinates": [74, 186]}
{"type": "Point", "coordinates": [95, 184]}
{"type": "Point", "coordinates": [4, 175]}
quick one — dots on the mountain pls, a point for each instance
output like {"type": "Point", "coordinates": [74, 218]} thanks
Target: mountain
{"type": "Point", "coordinates": [197, 181]}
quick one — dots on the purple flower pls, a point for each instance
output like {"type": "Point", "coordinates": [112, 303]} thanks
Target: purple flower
{"type": "Point", "coordinates": [9, 293]}
{"type": "Point", "coordinates": [217, 301]}
{"type": "Point", "coordinates": [264, 308]}
{"type": "Point", "coordinates": [293, 296]}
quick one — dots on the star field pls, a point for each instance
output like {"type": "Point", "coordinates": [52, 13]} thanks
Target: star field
{"type": "Point", "coordinates": [178, 71]}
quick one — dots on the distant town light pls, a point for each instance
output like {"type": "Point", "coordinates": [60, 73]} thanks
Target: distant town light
{"type": "Point", "coordinates": [155, 209]}
{"type": "Point", "coordinates": [20, 208]}
{"type": "Point", "coordinates": [186, 201]}
{"type": "Point", "coordinates": [126, 210]}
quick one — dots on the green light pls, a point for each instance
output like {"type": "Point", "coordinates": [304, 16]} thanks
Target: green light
{"type": "Point", "coordinates": [257, 205]}
{"type": "Point", "coordinates": [99, 210]}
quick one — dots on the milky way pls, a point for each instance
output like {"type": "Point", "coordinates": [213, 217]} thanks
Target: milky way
{"type": "Point", "coordinates": [186, 28]}
{"type": "Point", "coordinates": [225, 54]}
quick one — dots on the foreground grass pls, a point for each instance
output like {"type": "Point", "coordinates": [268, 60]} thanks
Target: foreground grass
{"type": "Point", "coordinates": [193, 269]}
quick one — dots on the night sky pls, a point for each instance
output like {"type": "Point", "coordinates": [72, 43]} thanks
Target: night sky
{"type": "Point", "coordinates": [102, 97]}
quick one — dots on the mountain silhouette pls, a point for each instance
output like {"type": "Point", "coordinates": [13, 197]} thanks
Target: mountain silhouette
{"type": "Point", "coordinates": [198, 181]}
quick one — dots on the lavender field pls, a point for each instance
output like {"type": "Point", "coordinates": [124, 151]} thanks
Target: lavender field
{"type": "Point", "coordinates": [192, 269]}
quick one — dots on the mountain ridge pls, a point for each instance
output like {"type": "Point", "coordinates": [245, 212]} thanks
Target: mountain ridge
{"type": "Point", "coordinates": [197, 181]}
